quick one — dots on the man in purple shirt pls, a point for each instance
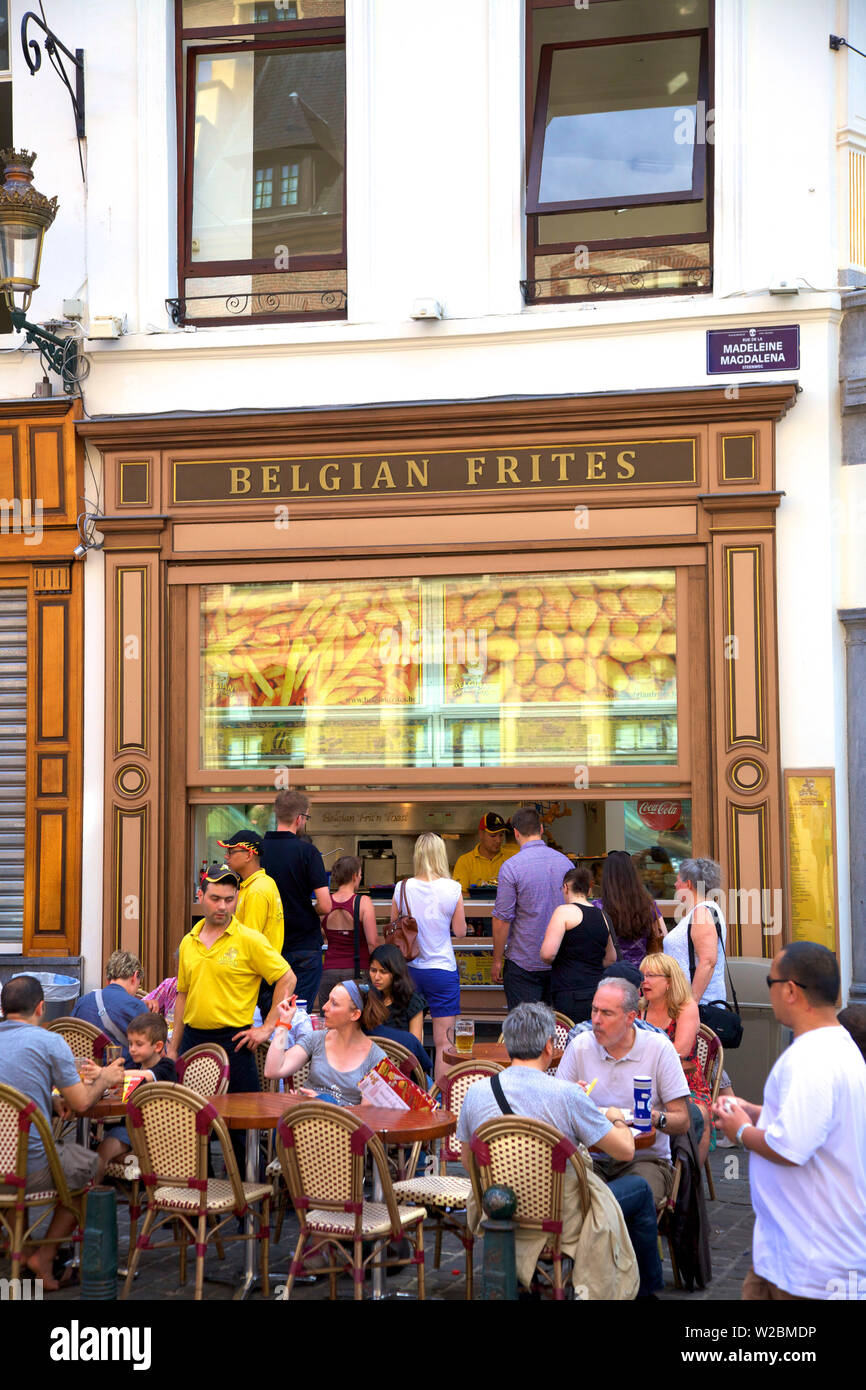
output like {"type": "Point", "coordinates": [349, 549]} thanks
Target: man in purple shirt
{"type": "Point", "coordinates": [528, 890]}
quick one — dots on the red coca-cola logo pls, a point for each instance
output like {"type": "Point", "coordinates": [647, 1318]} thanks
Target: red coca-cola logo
{"type": "Point", "coordinates": [660, 815]}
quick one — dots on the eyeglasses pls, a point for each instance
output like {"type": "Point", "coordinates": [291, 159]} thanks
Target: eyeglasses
{"type": "Point", "coordinates": [653, 975]}
{"type": "Point", "coordinates": [783, 980]}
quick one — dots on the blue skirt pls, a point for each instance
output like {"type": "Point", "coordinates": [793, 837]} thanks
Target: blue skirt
{"type": "Point", "coordinates": [441, 989]}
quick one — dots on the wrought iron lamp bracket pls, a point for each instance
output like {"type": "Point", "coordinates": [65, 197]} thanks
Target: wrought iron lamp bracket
{"type": "Point", "coordinates": [62, 355]}
{"type": "Point", "coordinates": [55, 49]}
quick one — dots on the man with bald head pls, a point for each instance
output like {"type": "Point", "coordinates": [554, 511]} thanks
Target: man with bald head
{"type": "Point", "coordinates": [612, 1055]}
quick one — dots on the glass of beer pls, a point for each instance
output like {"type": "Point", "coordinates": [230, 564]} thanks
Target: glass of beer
{"type": "Point", "coordinates": [111, 1053]}
{"type": "Point", "coordinates": [464, 1036]}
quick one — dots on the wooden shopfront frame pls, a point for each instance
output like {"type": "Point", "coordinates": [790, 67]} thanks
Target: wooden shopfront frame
{"type": "Point", "coordinates": [41, 477]}
{"type": "Point", "coordinates": [716, 530]}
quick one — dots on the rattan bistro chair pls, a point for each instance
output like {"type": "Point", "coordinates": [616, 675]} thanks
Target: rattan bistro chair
{"type": "Point", "coordinates": [205, 1070]}
{"type": "Point", "coordinates": [529, 1156]}
{"type": "Point", "coordinates": [17, 1113]}
{"type": "Point", "coordinates": [321, 1149]}
{"type": "Point", "coordinates": [444, 1196]}
{"type": "Point", "coordinates": [564, 1025]}
{"type": "Point", "coordinates": [170, 1127]}
{"type": "Point", "coordinates": [402, 1058]}
{"type": "Point", "coordinates": [711, 1056]}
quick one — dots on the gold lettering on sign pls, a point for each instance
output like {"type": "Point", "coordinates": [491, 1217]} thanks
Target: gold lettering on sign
{"type": "Point", "coordinates": [384, 476]}
{"type": "Point", "coordinates": [473, 468]}
{"type": "Point", "coordinates": [595, 460]}
{"type": "Point", "coordinates": [357, 465]}
{"type": "Point", "coordinates": [507, 468]}
{"type": "Point", "coordinates": [327, 479]}
{"type": "Point", "coordinates": [536, 464]}
{"type": "Point", "coordinates": [563, 460]}
{"type": "Point", "coordinates": [624, 465]}
{"type": "Point", "coordinates": [240, 480]}
{"type": "Point", "coordinates": [416, 471]}
{"type": "Point", "coordinates": [270, 477]}
{"type": "Point", "coordinates": [296, 479]}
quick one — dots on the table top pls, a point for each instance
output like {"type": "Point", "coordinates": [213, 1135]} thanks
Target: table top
{"type": "Point", "coordinates": [486, 1052]}
{"type": "Point", "coordinates": [264, 1109]}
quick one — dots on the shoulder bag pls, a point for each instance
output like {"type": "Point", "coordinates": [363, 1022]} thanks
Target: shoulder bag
{"type": "Point", "coordinates": [108, 1024]}
{"type": "Point", "coordinates": [499, 1095]}
{"type": "Point", "coordinates": [611, 933]}
{"type": "Point", "coordinates": [403, 931]}
{"type": "Point", "coordinates": [722, 1017]}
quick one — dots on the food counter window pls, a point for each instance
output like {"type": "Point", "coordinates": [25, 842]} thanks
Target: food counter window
{"type": "Point", "coordinates": [498, 671]}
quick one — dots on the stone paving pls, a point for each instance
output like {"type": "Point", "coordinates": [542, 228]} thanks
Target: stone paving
{"type": "Point", "coordinates": [730, 1218]}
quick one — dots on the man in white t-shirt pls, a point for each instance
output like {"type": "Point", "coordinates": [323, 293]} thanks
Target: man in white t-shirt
{"type": "Point", "coordinates": [611, 1056]}
{"type": "Point", "coordinates": [807, 1142]}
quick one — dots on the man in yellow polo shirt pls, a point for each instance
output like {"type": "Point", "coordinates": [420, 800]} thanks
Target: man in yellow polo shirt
{"type": "Point", "coordinates": [259, 903]}
{"type": "Point", "coordinates": [221, 966]}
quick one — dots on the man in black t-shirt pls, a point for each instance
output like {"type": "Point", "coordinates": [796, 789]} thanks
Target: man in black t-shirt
{"type": "Point", "coordinates": [299, 872]}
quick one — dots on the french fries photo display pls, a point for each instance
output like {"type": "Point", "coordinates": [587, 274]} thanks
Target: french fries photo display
{"type": "Point", "coordinates": [498, 640]}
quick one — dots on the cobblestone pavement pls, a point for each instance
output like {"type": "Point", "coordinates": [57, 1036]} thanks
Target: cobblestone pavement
{"type": "Point", "coordinates": [730, 1218]}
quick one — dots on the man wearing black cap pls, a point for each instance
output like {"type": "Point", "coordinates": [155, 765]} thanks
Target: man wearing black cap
{"type": "Point", "coordinates": [221, 965]}
{"type": "Point", "coordinates": [481, 865]}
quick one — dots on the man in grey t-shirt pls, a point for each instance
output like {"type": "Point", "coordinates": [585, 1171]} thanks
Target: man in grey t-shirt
{"type": "Point", "coordinates": [529, 889]}
{"type": "Point", "coordinates": [32, 1060]}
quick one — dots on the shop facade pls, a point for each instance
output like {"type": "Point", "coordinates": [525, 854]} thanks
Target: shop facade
{"type": "Point", "coordinates": [561, 600]}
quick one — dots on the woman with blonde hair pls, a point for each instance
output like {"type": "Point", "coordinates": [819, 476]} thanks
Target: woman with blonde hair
{"type": "Point", "coordinates": [435, 900]}
{"type": "Point", "coordinates": [668, 1004]}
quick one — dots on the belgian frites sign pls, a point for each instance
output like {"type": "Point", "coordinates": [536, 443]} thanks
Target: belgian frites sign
{"type": "Point", "coordinates": [615, 463]}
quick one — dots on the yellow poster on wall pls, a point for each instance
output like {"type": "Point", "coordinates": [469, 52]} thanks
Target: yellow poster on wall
{"type": "Point", "coordinates": [811, 824]}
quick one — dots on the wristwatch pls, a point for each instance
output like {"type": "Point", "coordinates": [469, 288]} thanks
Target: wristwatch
{"type": "Point", "coordinates": [662, 1121]}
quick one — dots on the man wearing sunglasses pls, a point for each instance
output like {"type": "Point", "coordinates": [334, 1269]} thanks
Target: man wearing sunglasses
{"type": "Point", "coordinates": [807, 1142]}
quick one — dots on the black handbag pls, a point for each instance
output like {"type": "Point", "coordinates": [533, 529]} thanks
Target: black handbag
{"type": "Point", "coordinates": [722, 1017]}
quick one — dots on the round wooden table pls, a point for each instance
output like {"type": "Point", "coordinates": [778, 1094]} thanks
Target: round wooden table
{"type": "Point", "coordinates": [487, 1052]}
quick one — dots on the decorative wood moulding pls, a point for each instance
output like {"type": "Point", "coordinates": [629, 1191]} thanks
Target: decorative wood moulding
{"type": "Point", "coordinates": [744, 646]}
{"type": "Point", "coordinates": [133, 749]}
{"type": "Point", "coordinates": [56, 580]}
{"type": "Point", "coordinates": [455, 419]}
{"type": "Point", "coordinates": [52, 871]}
{"type": "Point", "coordinates": [129, 864]}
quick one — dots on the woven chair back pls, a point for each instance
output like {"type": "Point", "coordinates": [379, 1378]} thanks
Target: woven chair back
{"type": "Point", "coordinates": [530, 1157]}
{"type": "Point", "coordinates": [204, 1069]}
{"type": "Point", "coordinates": [453, 1093]}
{"type": "Point", "coordinates": [84, 1038]}
{"type": "Point", "coordinates": [321, 1149]}
{"type": "Point", "coordinates": [404, 1059]}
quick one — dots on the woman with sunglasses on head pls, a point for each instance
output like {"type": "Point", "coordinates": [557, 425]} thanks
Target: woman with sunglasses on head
{"type": "Point", "coordinates": [341, 1055]}
{"type": "Point", "coordinates": [668, 1004]}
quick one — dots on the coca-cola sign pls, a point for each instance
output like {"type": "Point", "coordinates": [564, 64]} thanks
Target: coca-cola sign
{"type": "Point", "coordinates": [660, 815]}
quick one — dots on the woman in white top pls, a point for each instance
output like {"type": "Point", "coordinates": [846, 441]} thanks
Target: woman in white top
{"type": "Point", "coordinates": [697, 882]}
{"type": "Point", "coordinates": [435, 900]}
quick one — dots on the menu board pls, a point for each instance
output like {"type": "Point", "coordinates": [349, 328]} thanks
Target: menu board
{"type": "Point", "coordinates": [811, 826]}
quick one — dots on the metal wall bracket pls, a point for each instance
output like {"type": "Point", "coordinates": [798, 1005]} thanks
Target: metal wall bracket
{"type": "Point", "coordinates": [55, 48]}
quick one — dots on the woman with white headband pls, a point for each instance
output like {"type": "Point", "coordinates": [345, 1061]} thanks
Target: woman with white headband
{"type": "Point", "coordinates": [340, 1055]}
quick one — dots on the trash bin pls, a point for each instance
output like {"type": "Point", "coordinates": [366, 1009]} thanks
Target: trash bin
{"type": "Point", "coordinates": [61, 992]}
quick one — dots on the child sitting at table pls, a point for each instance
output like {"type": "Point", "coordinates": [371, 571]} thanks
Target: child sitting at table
{"type": "Point", "coordinates": [147, 1036]}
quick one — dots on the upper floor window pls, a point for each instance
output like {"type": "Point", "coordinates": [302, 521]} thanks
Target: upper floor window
{"type": "Point", "coordinates": [619, 146]}
{"type": "Point", "coordinates": [262, 197]}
